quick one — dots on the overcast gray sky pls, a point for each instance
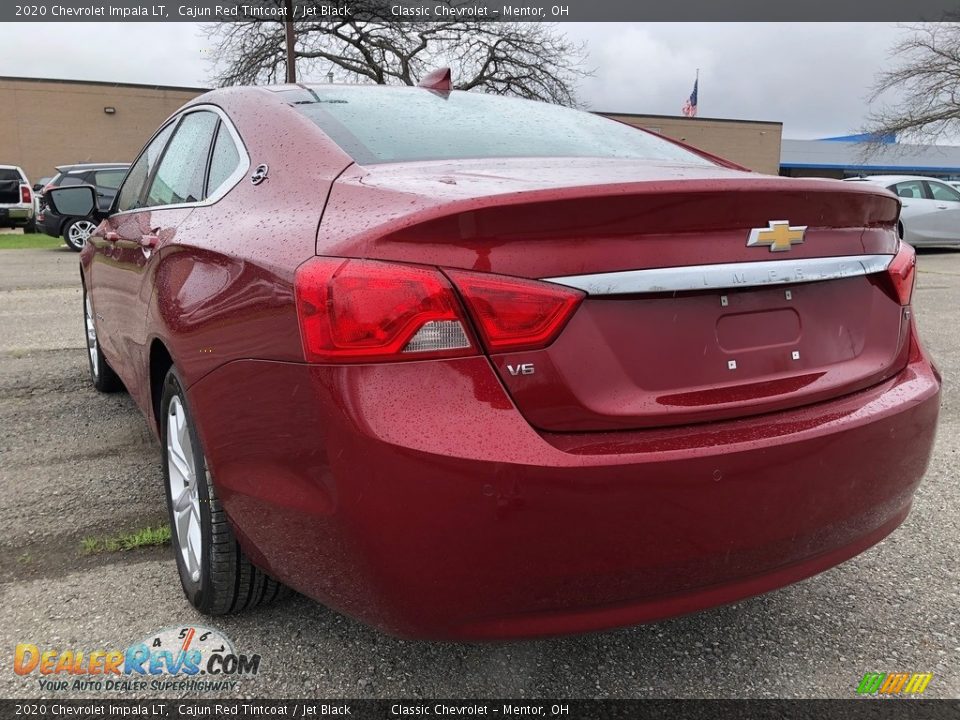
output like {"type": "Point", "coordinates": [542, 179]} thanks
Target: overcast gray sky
{"type": "Point", "coordinates": [814, 77]}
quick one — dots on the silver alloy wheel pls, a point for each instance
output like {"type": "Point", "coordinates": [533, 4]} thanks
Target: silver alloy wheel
{"type": "Point", "coordinates": [91, 336]}
{"type": "Point", "coordinates": [184, 494]}
{"type": "Point", "coordinates": [80, 232]}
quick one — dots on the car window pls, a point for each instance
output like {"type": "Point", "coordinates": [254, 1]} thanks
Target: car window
{"type": "Point", "coordinates": [179, 178]}
{"type": "Point", "coordinates": [109, 179]}
{"type": "Point", "coordinates": [69, 180]}
{"type": "Point", "coordinates": [909, 189]}
{"type": "Point", "coordinates": [223, 161]}
{"type": "Point", "coordinates": [382, 124]}
{"type": "Point", "coordinates": [9, 174]}
{"type": "Point", "coordinates": [132, 190]}
{"type": "Point", "coordinates": [939, 191]}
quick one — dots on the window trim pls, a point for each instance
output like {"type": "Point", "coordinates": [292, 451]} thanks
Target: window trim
{"type": "Point", "coordinates": [232, 180]}
{"type": "Point", "coordinates": [206, 166]}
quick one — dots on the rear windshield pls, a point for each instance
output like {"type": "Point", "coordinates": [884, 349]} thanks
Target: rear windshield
{"type": "Point", "coordinates": [7, 174]}
{"type": "Point", "coordinates": [377, 124]}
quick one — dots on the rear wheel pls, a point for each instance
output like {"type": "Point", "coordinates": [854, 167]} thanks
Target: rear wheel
{"type": "Point", "coordinates": [216, 575]}
{"type": "Point", "coordinates": [77, 232]}
{"type": "Point", "coordinates": [104, 378]}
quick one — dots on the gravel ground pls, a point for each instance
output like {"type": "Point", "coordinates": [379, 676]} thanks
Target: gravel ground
{"type": "Point", "coordinates": [74, 463]}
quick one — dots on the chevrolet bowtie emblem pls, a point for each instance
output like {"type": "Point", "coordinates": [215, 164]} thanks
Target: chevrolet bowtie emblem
{"type": "Point", "coordinates": [779, 235]}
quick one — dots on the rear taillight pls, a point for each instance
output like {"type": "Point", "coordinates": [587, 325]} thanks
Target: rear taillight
{"type": "Point", "coordinates": [25, 196]}
{"type": "Point", "coordinates": [515, 314]}
{"type": "Point", "coordinates": [363, 311]}
{"type": "Point", "coordinates": [902, 272]}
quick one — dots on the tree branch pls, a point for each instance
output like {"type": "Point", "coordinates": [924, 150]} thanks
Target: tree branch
{"type": "Point", "coordinates": [531, 60]}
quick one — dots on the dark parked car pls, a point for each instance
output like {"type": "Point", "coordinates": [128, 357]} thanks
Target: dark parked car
{"type": "Point", "coordinates": [105, 177]}
{"type": "Point", "coordinates": [468, 366]}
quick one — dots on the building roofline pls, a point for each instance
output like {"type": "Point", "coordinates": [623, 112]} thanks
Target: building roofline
{"type": "Point", "coordinates": [693, 119]}
{"type": "Point", "coordinates": [102, 83]}
{"type": "Point", "coordinates": [871, 168]}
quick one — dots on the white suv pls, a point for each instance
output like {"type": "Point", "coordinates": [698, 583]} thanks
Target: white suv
{"type": "Point", "coordinates": [16, 199]}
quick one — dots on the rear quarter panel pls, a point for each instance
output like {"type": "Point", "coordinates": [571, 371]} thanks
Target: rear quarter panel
{"type": "Point", "coordinates": [222, 285]}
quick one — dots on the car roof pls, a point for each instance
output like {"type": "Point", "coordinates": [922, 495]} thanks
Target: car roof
{"type": "Point", "coordinates": [891, 179]}
{"type": "Point", "coordinates": [92, 166]}
{"type": "Point", "coordinates": [11, 167]}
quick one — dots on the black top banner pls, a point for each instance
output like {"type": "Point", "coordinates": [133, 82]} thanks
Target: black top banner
{"type": "Point", "coordinates": [481, 10]}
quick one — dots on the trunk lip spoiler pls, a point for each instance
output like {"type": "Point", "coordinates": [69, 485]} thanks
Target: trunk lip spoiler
{"type": "Point", "coordinates": [725, 276]}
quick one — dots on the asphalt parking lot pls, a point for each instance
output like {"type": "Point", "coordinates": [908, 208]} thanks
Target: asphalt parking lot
{"type": "Point", "coordinates": [76, 464]}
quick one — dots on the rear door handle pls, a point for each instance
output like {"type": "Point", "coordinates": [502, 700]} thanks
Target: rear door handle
{"type": "Point", "coordinates": [941, 207]}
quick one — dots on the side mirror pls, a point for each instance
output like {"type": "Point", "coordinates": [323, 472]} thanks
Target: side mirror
{"type": "Point", "coordinates": [73, 201]}
{"type": "Point", "coordinates": [37, 187]}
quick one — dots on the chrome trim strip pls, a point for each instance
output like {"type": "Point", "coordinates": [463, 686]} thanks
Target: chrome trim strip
{"type": "Point", "coordinates": [725, 275]}
{"type": "Point", "coordinates": [226, 186]}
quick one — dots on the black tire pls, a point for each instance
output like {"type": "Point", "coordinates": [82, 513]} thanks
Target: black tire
{"type": "Point", "coordinates": [72, 228]}
{"type": "Point", "coordinates": [226, 581]}
{"type": "Point", "coordinates": [102, 375]}
{"type": "Point", "coordinates": [30, 227]}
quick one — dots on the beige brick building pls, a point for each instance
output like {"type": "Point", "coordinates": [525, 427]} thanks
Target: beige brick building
{"type": "Point", "coordinates": [752, 143]}
{"type": "Point", "coordinates": [45, 123]}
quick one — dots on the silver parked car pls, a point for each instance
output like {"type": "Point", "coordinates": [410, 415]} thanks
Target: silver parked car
{"type": "Point", "coordinates": [930, 213]}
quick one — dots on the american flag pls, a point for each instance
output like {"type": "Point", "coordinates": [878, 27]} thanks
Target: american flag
{"type": "Point", "coordinates": [689, 108]}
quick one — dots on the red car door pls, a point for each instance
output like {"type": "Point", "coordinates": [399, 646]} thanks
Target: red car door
{"type": "Point", "coordinates": [105, 282]}
{"type": "Point", "coordinates": [135, 236]}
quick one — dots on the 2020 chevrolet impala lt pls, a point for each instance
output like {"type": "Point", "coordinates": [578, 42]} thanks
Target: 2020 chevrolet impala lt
{"type": "Point", "coordinates": [467, 366]}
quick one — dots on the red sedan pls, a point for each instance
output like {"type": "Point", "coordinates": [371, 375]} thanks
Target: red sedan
{"type": "Point", "coordinates": [466, 366]}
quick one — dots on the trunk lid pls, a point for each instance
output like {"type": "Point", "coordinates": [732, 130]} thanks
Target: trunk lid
{"type": "Point", "coordinates": [635, 361]}
{"type": "Point", "coordinates": [685, 319]}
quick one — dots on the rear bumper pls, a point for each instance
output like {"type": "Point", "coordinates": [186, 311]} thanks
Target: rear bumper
{"type": "Point", "coordinates": [15, 214]}
{"type": "Point", "coordinates": [52, 223]}
{"type": "Point", "coordinates": [416, 498]}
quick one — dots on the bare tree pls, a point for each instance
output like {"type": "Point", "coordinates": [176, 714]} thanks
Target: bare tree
{"type": "Point", "coordinates": [927, 79]}
{"type": "Point", "coordinates": [531, 60]}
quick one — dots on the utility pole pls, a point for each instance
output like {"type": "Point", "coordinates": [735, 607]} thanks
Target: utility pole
{"type": "Point", "coordinates": [290, 38]}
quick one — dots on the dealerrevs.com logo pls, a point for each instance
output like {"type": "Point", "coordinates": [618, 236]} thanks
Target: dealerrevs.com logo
{"type": "Point", "coordinates": [190, 658]}
{"type": "Point", "coordinates": [890, 684]}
